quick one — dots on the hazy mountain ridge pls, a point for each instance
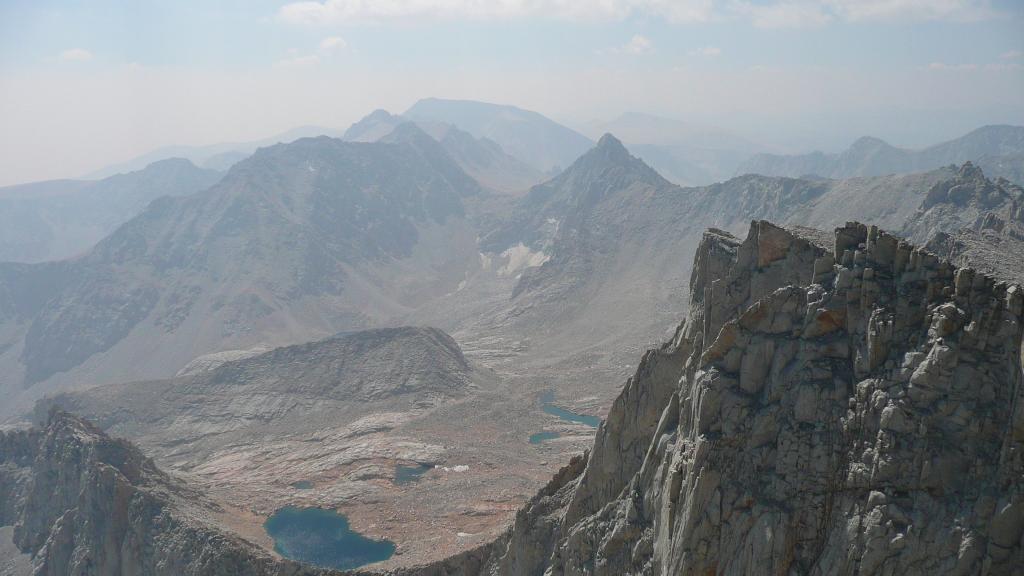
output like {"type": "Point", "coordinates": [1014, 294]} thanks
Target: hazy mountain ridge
{"type": "Point", "coordinates": [685, 153]}
{"type": "Point", "coordinates": [540, 142]}
{"type": "Point", "coordinates": [873, 157]}
{"type": "Point", "coordinates": [219, 156]}
{"type": "Point", "coordinates": [612, 237]}
{"type": "Point", "coordinates": [481, 158]}
{"type": "Point", "coordinates": [298, 241]}
{"type": "Point", "coordinates": [54, 220]}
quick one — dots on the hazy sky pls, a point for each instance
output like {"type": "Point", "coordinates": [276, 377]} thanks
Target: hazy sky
{"type": "Point", "coordinates": [86, 84]}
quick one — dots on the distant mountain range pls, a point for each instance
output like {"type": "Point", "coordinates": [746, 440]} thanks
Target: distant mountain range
{"type": "Point", "coordinates": [219, 156]}
{"type": "Point", "coordinates": [540, 142]}
{"type": "Point", "coordinates": [307, 239]}
{"type": "Point", "coordinates": [297, 242]}
{"type": "Point", "coordinates": [997, 149]}
{"type": "Point", "coordinates": [687, 154]}
{"type": "Point", "coordinates": [481, 158]}
{"type": "Point", "coordinates": [63, 218]}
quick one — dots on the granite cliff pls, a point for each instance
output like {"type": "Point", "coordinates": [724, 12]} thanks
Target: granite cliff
{"type": "Point", "coordinates": [834, 404]}
{"type": "Point", "coordinates": [84, 503]}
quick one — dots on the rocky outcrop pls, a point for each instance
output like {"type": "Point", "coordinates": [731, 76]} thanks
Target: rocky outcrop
{"type": "Point", "coordinates": [981, 224]}
{"type": "Point", "coordinates": [849, 408]}
{"type": "Point", "coordinates": [95, 505]}
{"type": "Point", "coordinates": [966, 200]}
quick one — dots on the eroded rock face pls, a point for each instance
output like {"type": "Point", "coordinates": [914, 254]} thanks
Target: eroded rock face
{"type": "Point", "coordinates": [89, 504]}
{"type": "Point", "coordinates": [851, 408]}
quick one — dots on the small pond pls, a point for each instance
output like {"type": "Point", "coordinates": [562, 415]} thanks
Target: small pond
{"type": "Point", "coordinates": [547, 400]}
{"type": "Point", "coordinates": [542, 436]}
{"type": "Point", "coordinates": [302, 485]}
{"type": "Point", "coordinates": [407, 474]}
{"type": "Point", "coordinates": [323, 538]}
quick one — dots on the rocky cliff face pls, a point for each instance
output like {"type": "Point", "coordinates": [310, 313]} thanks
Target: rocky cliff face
{"type": "Point", "coordinates": [89, 504]}
{"type": "Point", "coordinates": [834, 405]}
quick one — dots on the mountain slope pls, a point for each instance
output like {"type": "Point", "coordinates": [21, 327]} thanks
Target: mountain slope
{"type": "Point", "coordinates": [60, 219]}
{"type": "Point", "coordinates": [873, 157]}
{"type": "Point", "coordinates": [481, 158]}
{"type": "Point", "coordinates": [304, 389]}
{"type": "Point", "coordinates": [299, 241]}
{"type": "Point", "coordinates": [835, 404]}
{"type": "Point", "coordinates": [608, 244]}
{"type": "Point", "coordinates": [540, 142]}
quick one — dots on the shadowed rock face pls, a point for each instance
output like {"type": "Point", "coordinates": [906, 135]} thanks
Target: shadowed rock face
{"type": "Point", "coordinates": [91, 504]}
{"type": "Point", "coordinates": [843, 405]}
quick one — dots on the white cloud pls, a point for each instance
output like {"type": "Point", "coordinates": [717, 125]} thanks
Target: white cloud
{"type": "Point", "coordinates": [76, 55]}
{"type": "Point", "coordinates": [362, 11]}
{"type": "Point", "coordinates": [709, 51]}
{"type": "Point", "coordinates": [637, 45]}
{"type": "Point", "coordinates": [332, 42]}
{"type": "Point", "coordinates": [956, 10]}
{"type": "Point", "coordinates": [942, 66]}
{"type": "Point", "coordinates": [970, 67]}
{"type": "Point", "coordinates": [1004, 67]}
{"type": "Point", "coordinates": [761, 13]}
{"type": "Point", "coordinates": [299, 61]}
{"type": "Point", "coordinates": [1012, 55]}
{"type": "Point", "coordinates": [787, 14]}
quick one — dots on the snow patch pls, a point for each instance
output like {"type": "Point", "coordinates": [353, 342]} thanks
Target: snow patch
{"type": "Point", "coordinates": [456, 468]}
{"type": "Point", "coordinates": [519, 258]}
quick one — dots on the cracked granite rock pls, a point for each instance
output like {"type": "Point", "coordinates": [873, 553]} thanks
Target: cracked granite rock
{"type": "Point", "coordinates": [849, 407]}
{"type": "Point", "coordinates": [83, 503]}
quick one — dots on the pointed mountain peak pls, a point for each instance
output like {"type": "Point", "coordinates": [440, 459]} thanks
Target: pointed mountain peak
{"type": "Point", "coordinates": [380, 114]}
{"type": "Point", "coordinates": [610, 159]}
{"type": "Point", "coordinates": [373, 126]}
{"type": "Point", "coordinates": [869, 143]}
{"type": "Point", "coordinates": [970, 171]}
{"type": "Point", "coordinates": [409, 133]}
{"type": "Point", "coordinates": [609, 144]}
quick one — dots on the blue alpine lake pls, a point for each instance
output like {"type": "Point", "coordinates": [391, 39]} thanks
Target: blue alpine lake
{"type": "Point", "coordinates": [323, 538]}
{"type": "Point", "coordinates": [547, 400]}
{"type": "Point", "coordinates": [542, 436]}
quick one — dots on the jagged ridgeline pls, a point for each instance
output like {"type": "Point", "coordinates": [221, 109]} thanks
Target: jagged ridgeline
{"type": "Point", "coordinates": [833, 405]}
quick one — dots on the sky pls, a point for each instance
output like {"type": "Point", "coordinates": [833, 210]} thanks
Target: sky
{"type": "Point", "coordinates": [86, 84]}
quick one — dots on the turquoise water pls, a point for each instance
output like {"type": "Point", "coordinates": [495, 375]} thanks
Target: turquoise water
{"type": "Point", "coordinates": [407, 474]}
{"type": "Point", "coordinates": [323, 538]}
{"type": "Point", "coordinates": [548, 399]}
{"type": "Point", "coordinates": [302, 485]}
{"type": "Point", "coordinates": [542, 436]}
